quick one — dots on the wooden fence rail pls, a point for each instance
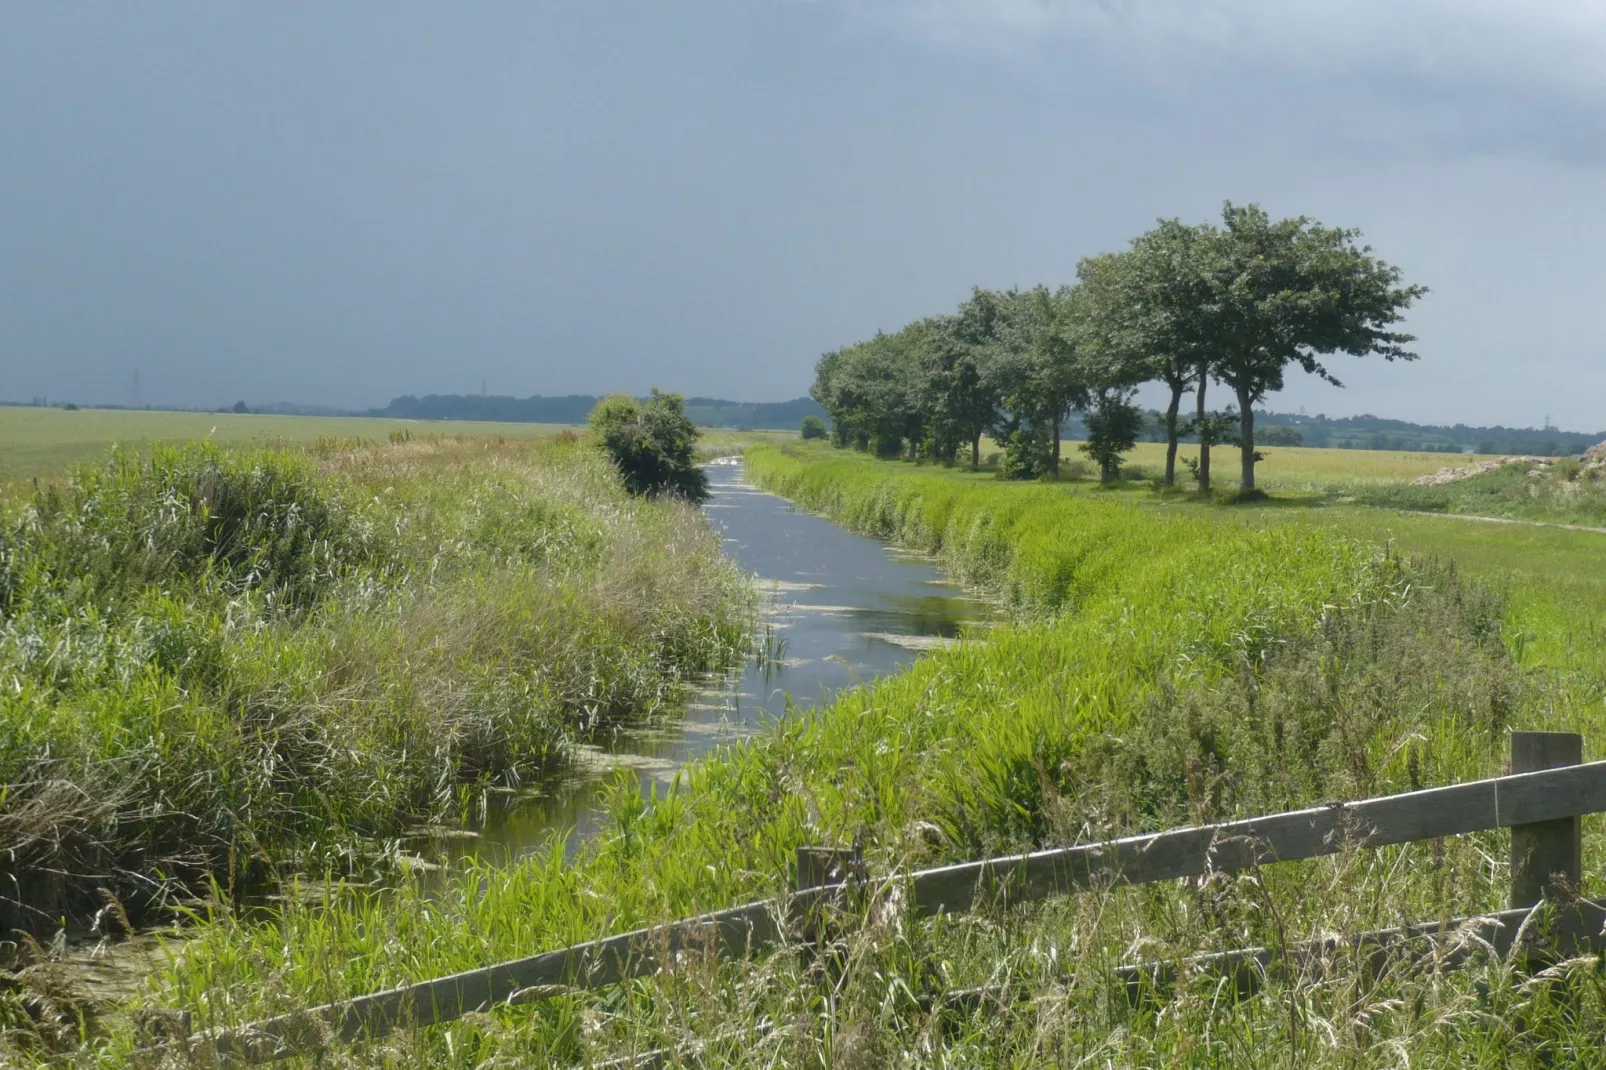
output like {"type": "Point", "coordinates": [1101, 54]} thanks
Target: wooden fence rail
{"type": "Point", "coordinates": [1540, 801]}
{"type": "Point", "coordinates": [1527, 799]}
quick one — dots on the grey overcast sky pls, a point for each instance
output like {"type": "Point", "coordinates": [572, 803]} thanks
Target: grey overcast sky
{"type": "Point", "coordinates": [336, 204]}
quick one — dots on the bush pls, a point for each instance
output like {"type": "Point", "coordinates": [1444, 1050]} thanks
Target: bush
{"type": "Point", "coordinates": [814, 427]}
{"type": "Point", "coordinates": [886, 445]}
{"type": "Point", "coordinates": [1074, 468]}
{"type": "Point", "coordinates": [1028, 454]}
{"type": "Point", "coordinates": [1112, 429]}
{"type": "Point", "coordinates": [259, 521]}
{"type": "Point", "coordinates": [651, 444]}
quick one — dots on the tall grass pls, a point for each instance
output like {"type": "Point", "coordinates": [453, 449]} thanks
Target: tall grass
{"type": "Point", "coordinates": [1166, 668]}
{"type": "Point", "coordinates": [222, 665]}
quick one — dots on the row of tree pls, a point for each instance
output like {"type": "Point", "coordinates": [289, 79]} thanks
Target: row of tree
{"type": "Point", "coordinates": [1236, 304]}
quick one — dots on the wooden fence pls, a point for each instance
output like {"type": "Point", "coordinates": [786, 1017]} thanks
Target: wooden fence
{"type": "Point", "coordinates": [1540, 801]}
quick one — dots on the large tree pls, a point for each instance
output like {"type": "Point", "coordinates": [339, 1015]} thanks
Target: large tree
{"type": "Point", "coordinates": [1149, 293]}
{"type": "Point", "coordinates": [1110, 364]}
{"type": "Point", "coordinates": [1287, 292]}
{"type": "Point", "coordinates": [959, 394]}
{"type": "Point", "coordinates": [871, 391]}
{"type": "Point", "coordinates": [1035, 369]}
{"type": "Point", "coordinates": [829, 390]}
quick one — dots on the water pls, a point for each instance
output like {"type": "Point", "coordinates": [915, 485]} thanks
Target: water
{"type": "Point", "coordinates": [843, 609]}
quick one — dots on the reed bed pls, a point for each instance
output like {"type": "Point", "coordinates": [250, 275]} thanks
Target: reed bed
{"type": "Point", "coordinates": [232, 665]}
{"type": "Point", "coordinates": [1164, 669]}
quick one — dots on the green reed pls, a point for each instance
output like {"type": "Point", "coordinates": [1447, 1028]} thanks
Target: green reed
{"type": "Point", "coordinates": [226, 665]}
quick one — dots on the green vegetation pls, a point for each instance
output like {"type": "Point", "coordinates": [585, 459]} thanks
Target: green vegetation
{"type": "Point", "coordinates": [814, 428]}
{"type": "Point", "coordinates": [652, 443]}
{"type": "Point", "coordinates": [39, 443]}
{"type": "Point", "coordinates": [1184, 305]}
{"type": "Point", "coordinates": [1112, 431]}
{"type": "Point", "coordinates": [227, 664]}
{"type": "Point", "coordinates": [1170, 664]}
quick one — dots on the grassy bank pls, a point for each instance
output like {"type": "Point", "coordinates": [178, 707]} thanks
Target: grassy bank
{"type": "Point", "coordinates": [1168, 667]}
{"type": "Point", "coordinates": [224, 665]}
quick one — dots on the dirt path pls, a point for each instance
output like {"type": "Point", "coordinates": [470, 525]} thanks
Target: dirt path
{"type": "Point", "coordinates": [1509, 520]}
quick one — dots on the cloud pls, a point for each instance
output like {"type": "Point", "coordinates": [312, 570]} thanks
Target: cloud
{"type": "Point", "coordinates": [1535, 47]}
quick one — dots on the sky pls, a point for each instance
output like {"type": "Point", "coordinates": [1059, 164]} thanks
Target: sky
{"type": "Point", "coordinates": [337, 204]}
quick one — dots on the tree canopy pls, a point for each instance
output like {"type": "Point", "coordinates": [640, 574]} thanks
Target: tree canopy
{"type": "Point", "coordinates": [1184, 305]}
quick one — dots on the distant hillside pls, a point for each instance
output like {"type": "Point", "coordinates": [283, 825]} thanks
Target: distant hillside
{"type": "Point", "coordinates": [570, 409]}
{"type": "Point", "coordinates": [762, 415]}
{"type": "Point", "coordinates": [574, 408]}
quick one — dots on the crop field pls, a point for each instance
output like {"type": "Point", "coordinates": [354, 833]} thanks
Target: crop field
{"type": "Point", "coordinates": [1285, 468]}
{"type": "Point", "coordinates": [40, 443]}
{"type": "Point", "coordinates": [1303, 468]}
{"type": "Point", "coordinates": [45, 442]}
{"type": "Point", "coordinates": [1564, 492]}
{"type": "Point", "coordinates": [1168, 666]}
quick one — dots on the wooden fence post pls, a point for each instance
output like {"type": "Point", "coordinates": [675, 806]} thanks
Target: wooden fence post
{"type": "Point", "coordinates": [822, 867]}
{"type": "Point", "coordinates": [1546, 856]}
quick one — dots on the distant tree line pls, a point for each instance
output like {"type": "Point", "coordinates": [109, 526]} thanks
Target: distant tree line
{"type": "Point", "coordinates": [1184, 305]}
{"type": "Point", "coordinates": [1367, 432]}
{"type": "Point", "coordinates": [576, 409]}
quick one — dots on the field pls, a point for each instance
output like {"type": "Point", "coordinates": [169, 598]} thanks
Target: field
{"type": "Point", "coordinates": [1171, 662]}
{"type": "Point", "coordinates": [1291, 468]}
{"type": "Point", "coordinates": [37, 442]}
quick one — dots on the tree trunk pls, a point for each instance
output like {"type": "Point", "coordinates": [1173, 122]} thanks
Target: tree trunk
{"type": "Point", "coordinates": [1170, 434]}
{"type": "Point", "coordinates": [1204, 431]}
{"type": "Point", "coordinates": [1246, 438]}
{"type": "Point", "coordinates": [1056, 447]}
{"type": "Point", "coordinates": [975, 452]}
